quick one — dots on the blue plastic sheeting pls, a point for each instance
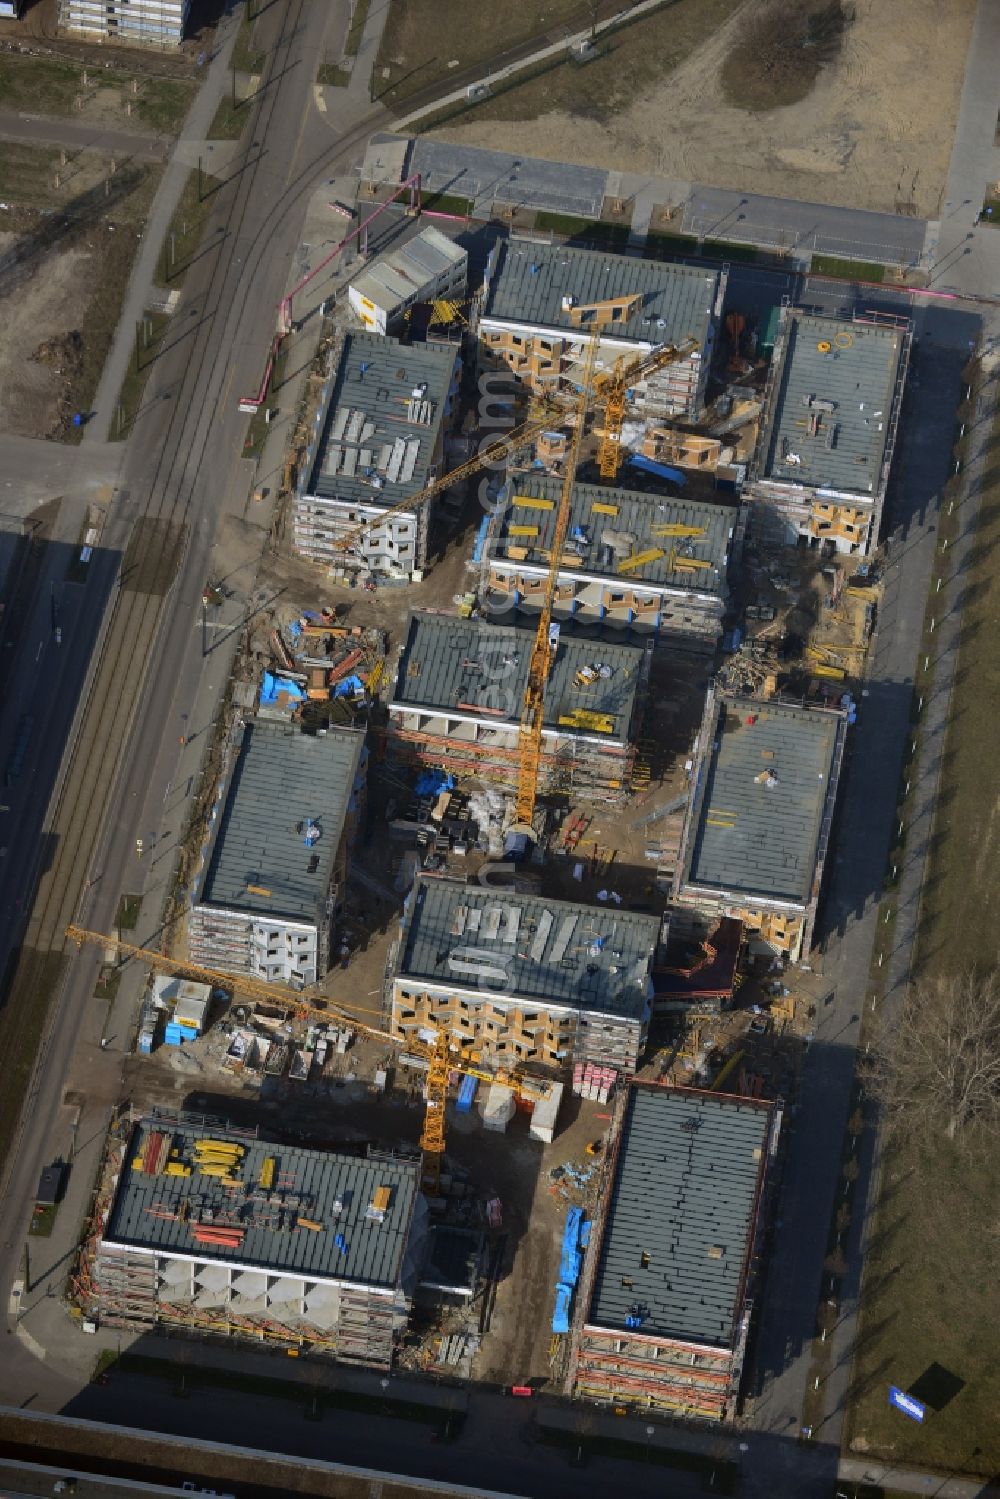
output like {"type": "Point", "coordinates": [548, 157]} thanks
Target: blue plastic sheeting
{"type": "Point", "coordinates": [466, 1093]}
{"type": "Point", "coordinates": [294, 629]}
{"type": "Point", "coordinates": [569, 1264]}
{"type": "Point", "coordinates": [348, 687]}
{"type": "Point", "coordinates": [560, 1317]}
{"type": "Point", "coordinates": [661, 470]}
{"type": "Point", "coordinates": [273, 686]}
{"type": "Point", "coordinates": [480, 541]}
{"type": "Point", "coordinates": [432, 782]}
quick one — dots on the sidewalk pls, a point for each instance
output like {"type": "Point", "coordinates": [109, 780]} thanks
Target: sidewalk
{"type": "Point", "coordinates": [960, 252]}
{"type": "Point", "coordinates": [343, 107]}
{"type": "Point", "coordinates": [168, 195]}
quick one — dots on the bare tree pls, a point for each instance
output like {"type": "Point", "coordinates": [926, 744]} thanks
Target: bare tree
{"type": "Point", "coordinates": [935, 1065]}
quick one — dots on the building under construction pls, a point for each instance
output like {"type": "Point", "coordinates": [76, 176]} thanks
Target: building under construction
{"type": "Point", "coordinates": [646, 563]}
{"type": "Point", "coordinates": [215, 1229]}
{"type": "Point", "coordinates": [274, 870]}
{"type": "Point", "coordinates": [458, 703]}
{"type": "Point", "coordinates": [543, 304]}
{"type": "Point", "coordinates": [828, 430]}
{"type": "Point", "coordinates": [757, 825]}
{"type": "Point", "coordinates": [665, 1296]}
{"type": "Point", "coordinates": [155, 23]}
{"type": "Point", "coordinates": [519, 979]}
{"type": "Point", "coordinates": [379, 439]}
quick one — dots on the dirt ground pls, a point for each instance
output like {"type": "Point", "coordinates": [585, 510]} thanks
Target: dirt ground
{"type": "Point", "coordinates": [876, 129]}
{"type": "Point", "coordinates": [57, 318]}
{"type": "Point", "coordinates": [46, 308]}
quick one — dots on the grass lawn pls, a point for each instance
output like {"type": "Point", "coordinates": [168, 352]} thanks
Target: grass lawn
{"type": "Point", "coordinates": [53, 86]}
{"type": "Point", "coordinates": [229, 119]}
{"type": "Point", "coordinates": [847, 270]}
{"type": "Point", "coordinates": [359, 18]}
{"type": "Point", "coordinates": [155, 325]}
{"type": "Point", "coordinates": [107, 985]}
{"type": "Point", "coordinates": [127, 916]}
{"type": "Point", "coordinates": [43, 1220]}
{"type": "Point", "coordinates": [329, 75]}
{"type": "Point", "coordinates": [615, 236]}
{"type": "Point", "coordinates": [447, 203]}
{"type": "Point", "coordinates": [247, 56]}
{"type": "Point", "coordinates": [257, 428]}
{"type": "Point", "coordinates": [181, 242]}
{"type": "Point", "coordinates": [939, 1211]}
{"type": "Point", "coordinates": [631, 60]}
{"type": "Point", "coordinates": [27, 175]}
{"type": "Point", "coordinates": [162, 103]}
{"type": "Point", "coordinates": [665, 246]}
{"type": "Point", "coordinates": [421, 37]}
{"type": "Point", "coordinates": [991, 210]}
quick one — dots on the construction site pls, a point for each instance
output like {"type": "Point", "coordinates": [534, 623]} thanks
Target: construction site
{"type": "Point", "coordinates": [501, 910]}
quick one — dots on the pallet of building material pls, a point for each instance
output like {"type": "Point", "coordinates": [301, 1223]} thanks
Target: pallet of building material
{"type": "Point", "coordinates": [345, 666]}
{"type": "Point", "coordinates": [574, 831]}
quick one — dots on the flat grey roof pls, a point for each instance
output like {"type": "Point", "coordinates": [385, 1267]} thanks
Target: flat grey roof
{"type": "Point", "coordinates": [529, 281]}
{"type": "Point", "coordinates": [328, 1188]}
{"type": "Point", "coordinates": [686, 1184]}
{"type": "Point", "coordinates": [489, 177]}
{"type": "Point", "coordinates": [401, 272]}
{"type": "Point", "coordinates": [468, 665]}
{"type": "Point", "coordinates": [636, 521]}
{"type": "Point", "coordinates": [469, 938]}
{"type": "Point", "coordinates": [375, 426]}
{"type": "Point", "coordinates": [752, 837]}
{"type": "Point", "coordinates": [858, 374]}
{"type": "Point", "coordinates": [282, 778]}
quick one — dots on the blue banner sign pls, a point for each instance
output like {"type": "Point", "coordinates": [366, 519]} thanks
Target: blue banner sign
{"type": "Point", "coordinates": [906, 1403]}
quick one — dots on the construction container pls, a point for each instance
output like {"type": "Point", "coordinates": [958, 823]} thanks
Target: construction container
{"type": "Point", "coordinates": [498, 1108]}
{"type": "Point", "coordinates": [545, 1115]}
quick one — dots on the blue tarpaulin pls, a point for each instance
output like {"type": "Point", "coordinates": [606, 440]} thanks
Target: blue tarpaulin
{"type": "Point", "coordinates": [570, 1262]}
{"type": "Point", "coordinates": [660, 470]}
{"type": "Point", "coordinates": [480, 542]}
{"type": "Point", "coordinates": [433, 782]}
{"type": "Point", "coordinates": [274, 686]}
{"type": "Point", "coordinates": [349, 687]}
{"type": "Point", "coordinates": [294, 629]}
{"type": "Point", "coordinates": [560, 1317]}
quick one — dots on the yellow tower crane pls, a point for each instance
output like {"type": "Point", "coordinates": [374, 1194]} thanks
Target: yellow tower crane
{"type": "Point", "coordinates": [611, 388]}
{"type": "Point", "coordinates": [495, 451]}
{"type": "Point", "coordinates": [533, 710]}
{"type": "Point", "coordinates": [439, 1053]}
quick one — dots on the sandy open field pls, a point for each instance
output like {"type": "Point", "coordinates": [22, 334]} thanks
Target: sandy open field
{"type": "Point", "coordinates": [876, 129]}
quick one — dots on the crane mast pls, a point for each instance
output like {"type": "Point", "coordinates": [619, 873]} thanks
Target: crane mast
{"type": "Point", "coordinates": [533, 710]}
{"type": "Point", "coordinates": [612, 388]}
